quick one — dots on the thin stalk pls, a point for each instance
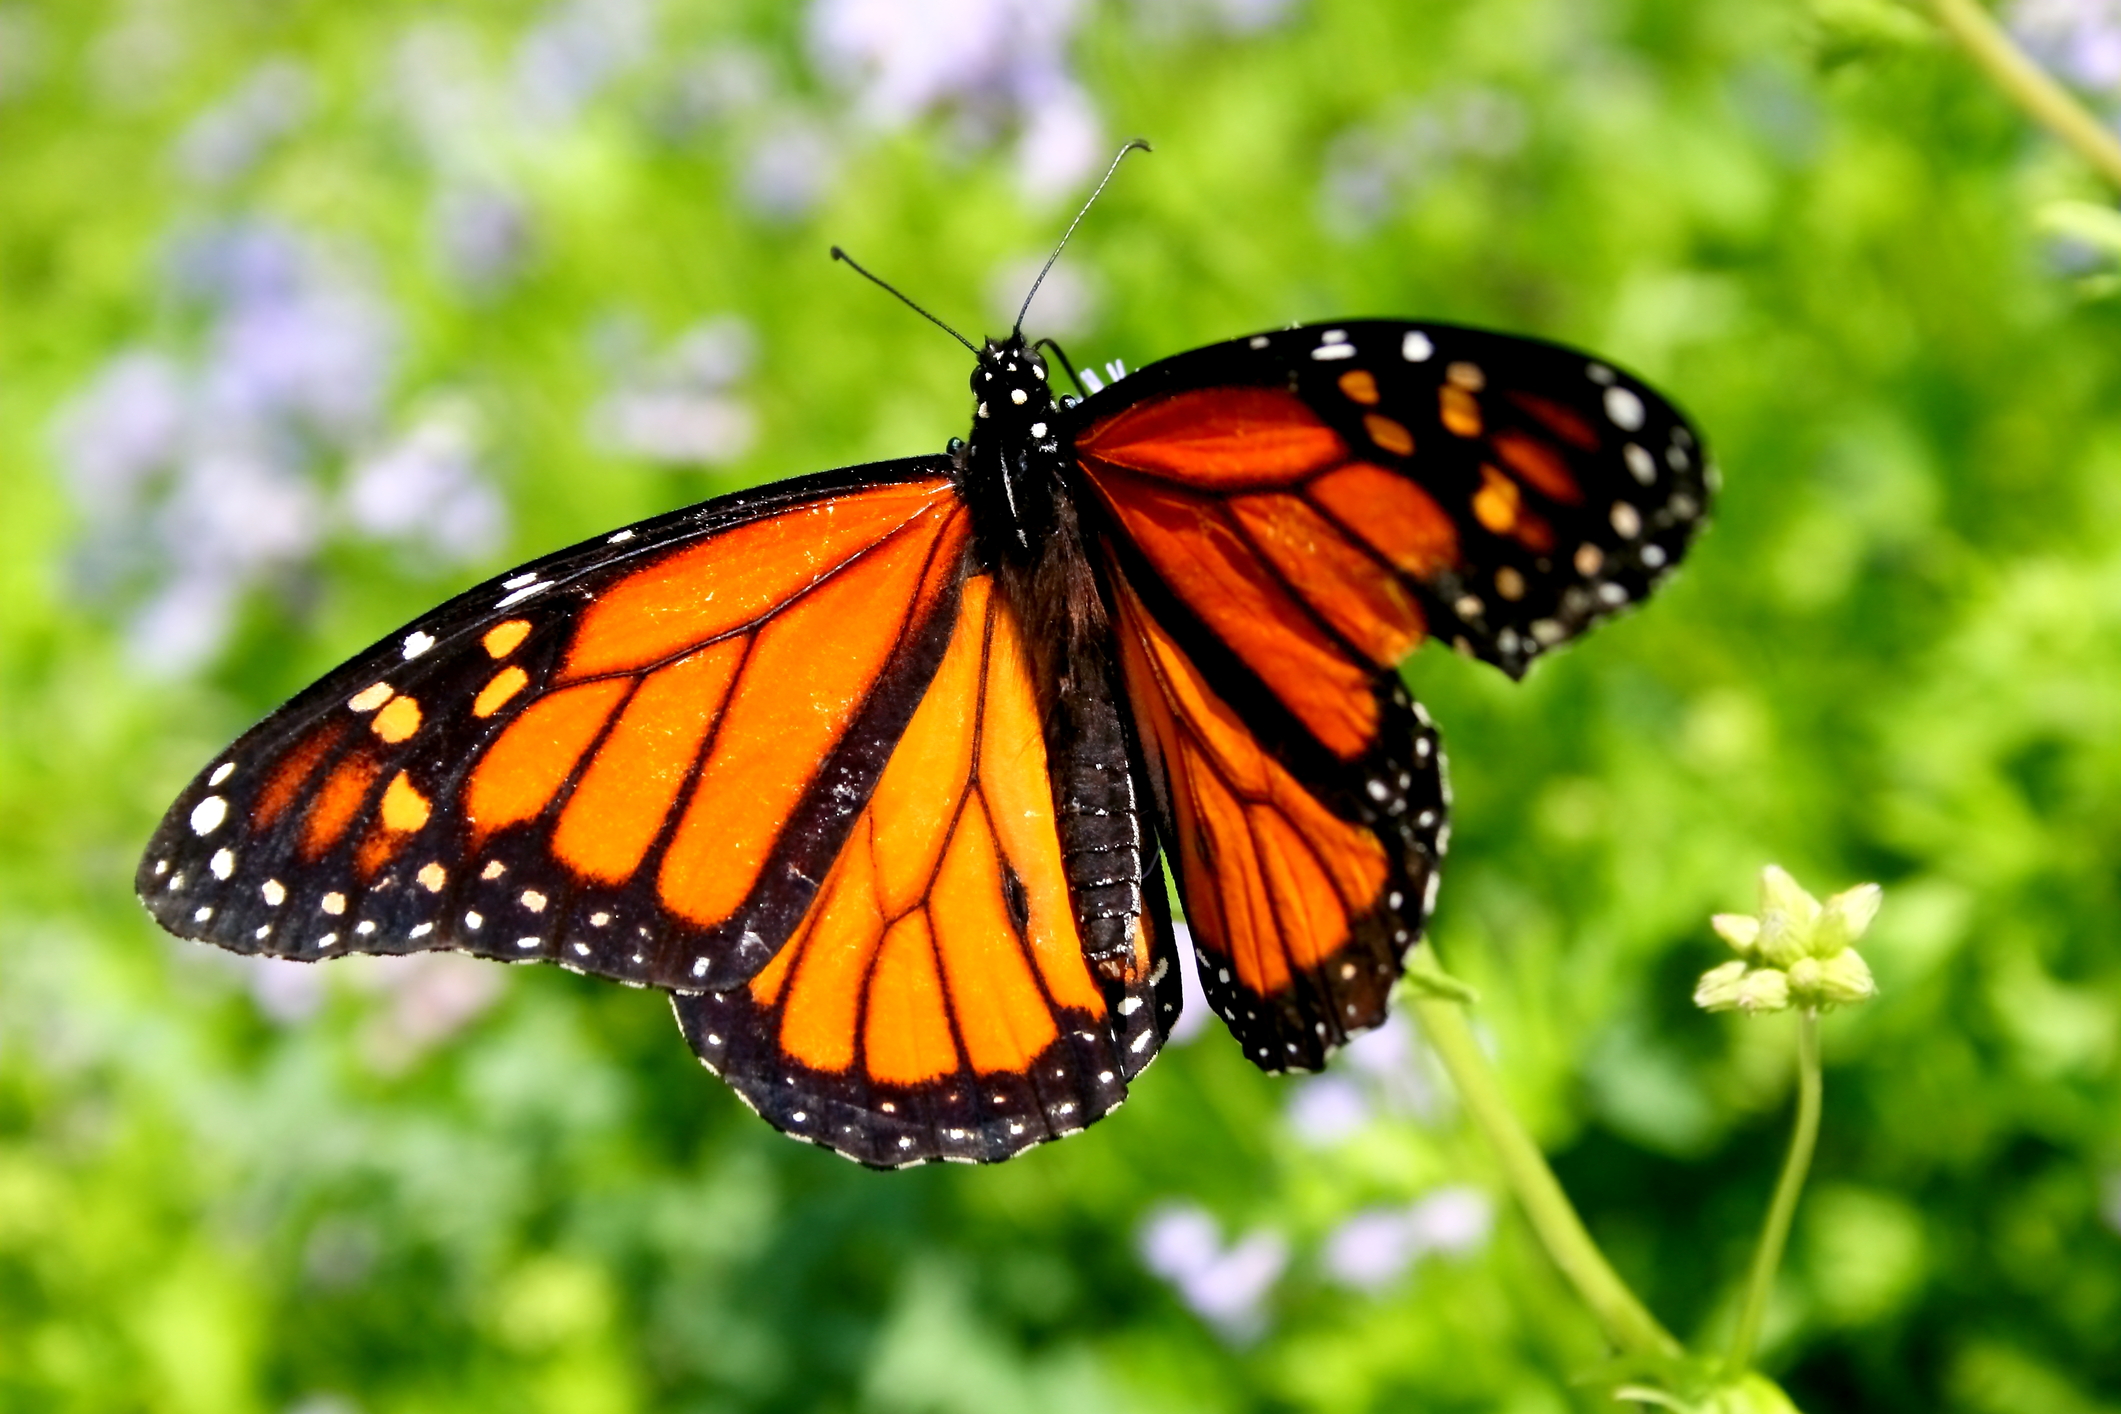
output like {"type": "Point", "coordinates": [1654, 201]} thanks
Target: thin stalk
{"type": "Point", "coordinates": [2028, 85]}
{"type": "Point", "coordinates": [1628, 1324]}
{"type": "Point", "coordinates": [1775, 1232]}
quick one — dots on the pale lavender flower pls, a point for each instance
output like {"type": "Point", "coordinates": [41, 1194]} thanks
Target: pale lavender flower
{"type": "Point", "coordinates": [1323, 1110]}
{"type": "Point", "coordinates": [201, 477]}
{"type": "Point", "coordinates": [1066, 305]}
{"type": "Point", "coordinates": [577, 49]}
{"type": "Point", "coordinates": [789, 169]}
{"type": "Point", "coordinates": [1377, 1246]}
{"type": "Point", "coordinates": [681, 407]}
{"type": "Point", "coordinates": [1376, 168]}
{"type": "Point", "coordinates": [484, 235]}
{"type": "Point", "coordinates": [2080, 39]}
{"type": "Point", "coordinates": [425, 489]}
{"type": "Point", "coordinates": [722, 84]}
{"type": "Point", "coordinates": [1175, 19]}
{"type": "Point", "coordinates": [995, 64]}
{"type": "Point", "coordinates": [1225, 1285]}
{"type": "Point", "coordinates": [286, 991]}
{"type": "Point", "coordinates": [129, 423]}
{"type": "Point", "coordinates": [425, 999]}
{"type": "Point", "coordinates": [228, 139]}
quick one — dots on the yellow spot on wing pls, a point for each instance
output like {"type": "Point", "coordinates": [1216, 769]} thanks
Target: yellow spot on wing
{"type": "Point", "coordinates": [1461, 414]}
{"type": "Point", "coordinates": [1495, 504]}
{"type": "Point", "coordinates": [495, 695]}
{"type": "Point", "coordinates": [370, 698]}
{"type": "Point", "coordinates": [503, 639]}
{"type": "Point", "coordinates": [1360, 386]}
{"type": "Point", "coordinates": [404, 808]}
{"type": "Point", "coordinates": [432, 877]}
{"type": "Point", "coordinates": [1388, 434]}
{"type": "Point", "coordinates": [398, 720]}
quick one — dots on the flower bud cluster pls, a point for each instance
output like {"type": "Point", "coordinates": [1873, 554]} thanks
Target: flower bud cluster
{"type": "Point", "coordinates": [1797, 953]}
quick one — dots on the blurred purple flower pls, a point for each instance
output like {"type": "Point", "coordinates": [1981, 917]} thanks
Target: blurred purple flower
{"type": "Point", "coordinates": [425, 489]}
{"type": "Point", "coordinates": [1066, 305]}
{"type": "Point", "coordinates": [1381, 1072]}
{"type": "Point", "coordinates": [127, 424]}
{"type": "Point", "coordinates": [226, 141]}
{"type": "Point", "coordinates": [286, 991]}
{"type": "Point", "coordinates": [1325, 1109]}
{"type": "Point", "coordinates": [1377, 1246]}
{"type": "Point", "coordinates": [426, 998]}
{"type": "Point", "coordinates": [199, 478]}
{"type": "Point", "coordinates": [1177, 19]}
{"type": "Point", "coordinates": [2080, 39]}
{"type": "Point", "coordinates": [576, 50]}
{"type": "Point", "coordinates": [1226, 1286]}
{"type": "Point", "coordinates": [1374, 169]}
{"type": "Point", "coordinates": [484, 236]}
{"type": "Point", "coordinates": [680, 407]}
{"type": "Point", "coordinates": [1398, 1067]}
{"type": "Point", "coordinates": [995, 64]}
{"type": "Point", "coordinates": [723, 83]}
{"type": "Point", "coordinates": [790, 168]}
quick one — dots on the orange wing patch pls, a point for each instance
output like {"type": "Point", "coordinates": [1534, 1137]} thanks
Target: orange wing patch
{"type": "Point", "coordinates": [1271, 878]}
{"type": "Point", "coordinates": [944, 939]}
{"type": "Point", "coordinates": [1221, 438]}
{"type": "Point", "coordinates": [730, 582]}
{"type": "Point", "coordinates": [653, 731]}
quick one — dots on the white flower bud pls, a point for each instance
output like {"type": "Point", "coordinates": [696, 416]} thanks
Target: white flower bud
{"type": "Point", "coordinates": [1740, 930]}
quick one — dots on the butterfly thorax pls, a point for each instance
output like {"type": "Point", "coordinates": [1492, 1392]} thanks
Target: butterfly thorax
{"type": "Point", "coordinates": [1012, 468]}
{"type": "Point", "coordinates": [1025, 525]}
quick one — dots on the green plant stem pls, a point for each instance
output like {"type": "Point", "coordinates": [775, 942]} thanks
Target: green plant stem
{"type": "Point", "coordinates": [1775, 1233]}
{"type": "Point", "coordinates": [1628, 1324]}
{"type": "Point", "coordinates": [2028, 85]}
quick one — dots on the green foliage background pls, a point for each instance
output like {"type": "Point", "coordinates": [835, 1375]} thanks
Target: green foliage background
{"type": "Point", "coordinates": [1894, 656]}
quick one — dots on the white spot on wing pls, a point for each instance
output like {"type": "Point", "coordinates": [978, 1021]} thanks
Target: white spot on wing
{"type": "Point", "coordinates": [1415, 347]}
{"type": "Point", "coordinates": [1624, 408]}
{"type": "Point", "coordinates": [207, 815]}
{"type": "Point", "coordinates": [275, 892]}
{"type": "Point", "coordinates": [221, 773]}
{"type": "Point", "coordinates": [524, 593]}
{"type": "Point", "coordinates": [619, 539]}
{"type": "Point", "coordinates": [418, 642]}
{"type": "Point", "coordinates": [223, 863]}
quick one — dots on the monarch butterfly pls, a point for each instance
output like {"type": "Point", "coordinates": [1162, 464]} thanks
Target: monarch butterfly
{"type": "Point", "coordinates": [876, 771]}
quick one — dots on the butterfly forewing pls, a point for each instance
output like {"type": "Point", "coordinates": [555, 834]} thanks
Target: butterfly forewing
{"type": "Point", "coordinates": [634, 758]}
{"type": "Point", "coordinates": [1287, 517]}
{"type": "Point", "coordinates": [1397, 481]}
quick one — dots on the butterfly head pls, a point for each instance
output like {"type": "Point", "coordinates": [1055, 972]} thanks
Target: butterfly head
{"type": "Point", "coordinates": [1010, 388]}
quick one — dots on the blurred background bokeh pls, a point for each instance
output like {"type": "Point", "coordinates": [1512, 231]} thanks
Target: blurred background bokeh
{"type": "Point", "coordinates": [312, 314]}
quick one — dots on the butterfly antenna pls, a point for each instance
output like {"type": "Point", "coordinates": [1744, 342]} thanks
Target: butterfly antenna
{"type": "Point", "coordinates": [838, 254]}
{"type": "Point", "coordinates": [1116, 160]}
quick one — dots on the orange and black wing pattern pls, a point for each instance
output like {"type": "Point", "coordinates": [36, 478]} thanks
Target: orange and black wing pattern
{"type": "Point", "coordinates": [938, 1000]}
{"type": "Point", "coordinates": [1284, 519]}
{"type": "Point", "coordinates": [638, 758]}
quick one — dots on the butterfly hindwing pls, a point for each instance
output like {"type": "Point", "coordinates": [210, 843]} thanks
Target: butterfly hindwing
{"type": "Point", "coordinates": [936, 1000]}
{"type": "Point", "coordinates": [635, 757]}
{"type": "Point", "coordinates": [1305, 877]}
{"type": "Point", "coordinates": [1288, 516]}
